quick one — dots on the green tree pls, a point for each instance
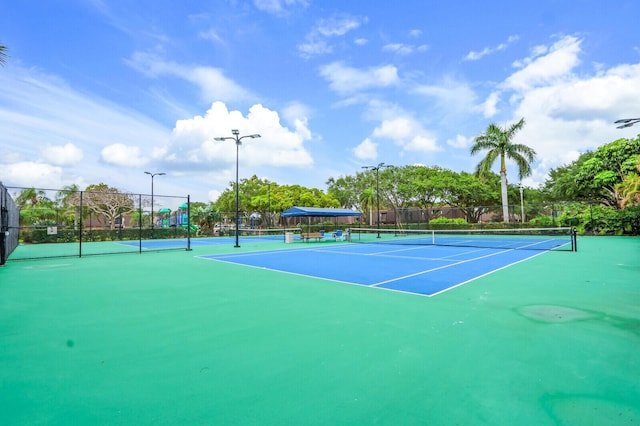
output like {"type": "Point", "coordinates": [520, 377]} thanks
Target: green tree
{"type": "Point", "coordinates": [629, 189]}
{"type": "Point", "coordinates": [563, 186]}
{"type": "Point", "coordinates": [253, 197]}
{"type": "Point", "coordinates": [35, 208]}
{"type": "Point", "coordinates": [607, 167]}
{"type": "Point", "coordinates": [367, 201]}
{"type": "Point", "coordinates": [497, 142]}
{"type": "Point", "coordinates": [474, 196]}
{"type": "Point", "coordinates": [348, 189]}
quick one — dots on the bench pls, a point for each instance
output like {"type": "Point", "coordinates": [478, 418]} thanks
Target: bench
{"type": "Point", "coordinates": [311, 235]}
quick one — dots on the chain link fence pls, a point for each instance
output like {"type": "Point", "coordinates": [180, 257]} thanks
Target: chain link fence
{"type": "Point", "coordinates": [63, 223]}
{"type": "Point", "coordinates": [9, 223]}
{"type": "Point", "coordinates": [588, 217]}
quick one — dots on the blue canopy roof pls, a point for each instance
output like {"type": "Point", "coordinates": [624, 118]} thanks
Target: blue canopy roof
{"type": "Point", "coordinates": [318, 211]}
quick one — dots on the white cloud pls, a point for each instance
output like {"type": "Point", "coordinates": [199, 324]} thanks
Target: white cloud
{"type": "Point", "coordinates": [316, 41]}
{"type": "Point", "coordinates": [193, 142]}
{"type": "Point", "coordinates": [278, 7]}
{"type": "Point", "coordinates": [489, 107]}
{"type": "Point", "coordinates": [29, 174]}
{"type": "Point", "coordinates": [314, 48]}
{"type": "Point", "coordinates": [46, 114]}
{"type": "Point", "coordinates": [211, 35]}
{"type": "Point", "coordinates": [337, 26]}
{"type": "Point", "coordinates": [122, 155]}
{"type": "Point", "coordinates": [366, 150]}
{"type": "Point", "coordinates": [566, 112]}
{"type": "Point", "coordinates": [460, 141]}
{"type": "Point", "coordinates": [212, 82]}
{"type": "Point", "coordinates": [344, 79]}
{"type": "Point", "coordinates": [421, 144]}
{"type": "Point", "coordinates": [451, 95]}
{"type": "Point", "coordinates": [62, 155]}
{"type": "Point", "coordinates": [404, 49]}
{"type": "Point", "coordinates": [476, 55]}
{"type": "Point", "coordinates": [553, 67]}
{"type": "Point", "coordinates": [407, 133]}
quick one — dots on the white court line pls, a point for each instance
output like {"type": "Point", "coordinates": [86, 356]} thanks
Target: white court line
{"type": "Point", "coordinates": [220, 258]}
{"type": "Point", "coordinates": [485, 274]}
{"type": "Point", "coordinates": [439, 267]}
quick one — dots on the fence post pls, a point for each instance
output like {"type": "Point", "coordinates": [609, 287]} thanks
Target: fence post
{"type": "Point", "coordinates": [81, 225]}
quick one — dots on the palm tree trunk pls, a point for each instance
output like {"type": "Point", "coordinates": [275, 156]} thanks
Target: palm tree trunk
{"type": "Point", "coordinates": [505, 197]}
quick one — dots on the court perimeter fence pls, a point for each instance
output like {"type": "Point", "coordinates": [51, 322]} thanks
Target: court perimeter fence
{"type": "Point", "coordinates": [588, 217]}
{"type": "Point", "coordinates": [44, 223]}
{"type": "Point", "coordinates": [9, 223]}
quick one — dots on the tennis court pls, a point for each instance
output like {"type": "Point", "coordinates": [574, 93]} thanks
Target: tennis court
{"type": "Point", "coordinates": [422, 270]}
{"type": "Point", "coordinates": [417, 262]}
{"type": "Point", "coordinates": [166, 337]}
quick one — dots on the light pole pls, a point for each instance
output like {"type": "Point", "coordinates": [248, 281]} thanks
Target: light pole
{"type": "Point", "coordinates": [626, 122]}
{"type": "Point", "coordinates": [521, 204]}
{"type": "Point", "coordinates": [269, 198]}
{"type": "Point", "coordinates": [237, 138]}
{"type": "Point", "coordinates": [377, 169]}
{"type": "Point", "coordinates": [152, 176]}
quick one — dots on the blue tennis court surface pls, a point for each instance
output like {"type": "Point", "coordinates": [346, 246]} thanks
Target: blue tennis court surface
{"type": "Point", "coordinates": [422, 270]}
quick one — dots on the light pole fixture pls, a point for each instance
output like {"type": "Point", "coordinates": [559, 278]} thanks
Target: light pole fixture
{"type": "Point", "coordinates": [521, 203]}
{"type": "Point", "coordinates": [152, 176]}
{"type": "Point", "coordinates": [237, 138]}
{"type": "Point", "coordinates": [626, 122]}
{"type": "Point", "coordinates": [377, 170]}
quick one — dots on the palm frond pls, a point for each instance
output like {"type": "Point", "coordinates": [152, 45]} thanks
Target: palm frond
{"type": "Point", "coordinates": [3, 54]}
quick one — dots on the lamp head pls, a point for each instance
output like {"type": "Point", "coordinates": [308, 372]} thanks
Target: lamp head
{"type": "Point", "coordinates": [235, 132]}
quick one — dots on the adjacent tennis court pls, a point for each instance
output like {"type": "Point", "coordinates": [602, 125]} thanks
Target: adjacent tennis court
{"type": "Point", "coordinates": [167, 337]}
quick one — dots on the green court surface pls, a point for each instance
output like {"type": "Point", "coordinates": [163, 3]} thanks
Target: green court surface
{"type": "Point", "coordinates": [166, 338]}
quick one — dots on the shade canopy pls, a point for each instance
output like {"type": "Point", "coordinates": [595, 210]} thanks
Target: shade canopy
{"type": "Point", "coordinates": [318, 211]}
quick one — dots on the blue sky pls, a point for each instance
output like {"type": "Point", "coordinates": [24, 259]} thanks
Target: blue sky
{"type": "Point", "coordinates": [101, 91]}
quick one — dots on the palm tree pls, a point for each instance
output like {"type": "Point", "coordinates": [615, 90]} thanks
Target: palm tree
{"type": "Point", "coordinates": [367, 200]}
{"type": "Point", "coordinates": [3, 54]}
{"type": "Point", "coordinates": [497, 141]}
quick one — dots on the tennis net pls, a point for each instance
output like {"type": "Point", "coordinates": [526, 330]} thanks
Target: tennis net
{"type": "Point", "coordinates": [272, 234]}
{"type": "Point", "coordinates": [563, 238]}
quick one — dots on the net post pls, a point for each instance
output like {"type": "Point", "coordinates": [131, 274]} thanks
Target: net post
{"type": "Point", "coordinates": [574, 239]}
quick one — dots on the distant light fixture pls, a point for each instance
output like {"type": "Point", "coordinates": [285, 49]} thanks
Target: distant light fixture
{"type": "Point", "coordinates": [626, 122]}
{"type": "Point", "coordinates": [152, 176]}
{"type": "Point", "coordinates": [377, 170]}
{"type": "Point", "coordinates": [237, 138]}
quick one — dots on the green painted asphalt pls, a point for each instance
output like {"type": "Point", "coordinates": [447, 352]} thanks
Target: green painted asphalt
{"type": "Point", "coordinates": [166, 338]}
